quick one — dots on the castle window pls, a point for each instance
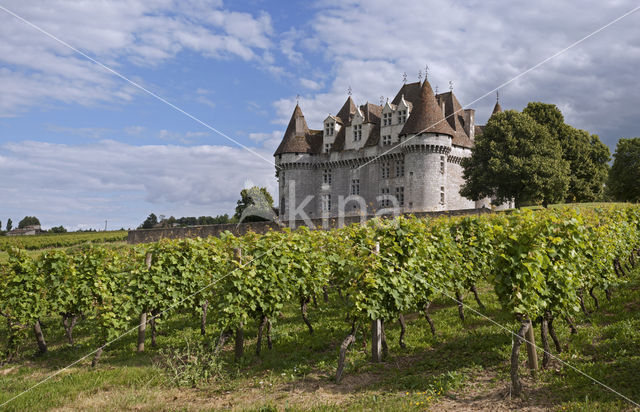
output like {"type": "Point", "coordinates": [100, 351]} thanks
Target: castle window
{"type": "Point", "coordinates": [386, 119]}
{"type": "Point", "coordinates": [326, 177]}
{"type": "Point", "coordinates": [400, 195]}
{"type": "Point", "coordinates": [329, 129]}
{"type": "Point", "coordinates": [442, 162]}
{"type": "Point", "coordinates": [386, 170]}
{"type": "Point", "coordinates": [357, 132]}
{"type": "Point", "coordinates": [385, 202]}
{"type": "Point", "coordinates": [400, 168]}
{"type": "Point", "coordinates": [327, 147]}
{"type": "Point", "coordinates": [442, 195]}
{"type": "Point", "coordinates": [355, 186]}
{"type": "Point", "coordinates": [326, 203]}
{"type": "Point", "coordinates": [402, 116]}
{"type": "Point", "coordinates": [386, 140]}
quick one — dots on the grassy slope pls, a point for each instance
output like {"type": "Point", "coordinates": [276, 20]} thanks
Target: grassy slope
{"type": "Point", "coordinates": [463, 367]}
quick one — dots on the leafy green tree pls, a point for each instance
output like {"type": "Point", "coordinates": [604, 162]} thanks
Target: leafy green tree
{"type": "Point", "coordinates": [255, 205]}
{"type": "Point", "coordinates": [58, 229]}
{"type": "Point", "coordinates": [150, 222]}
{"type": "Point", "coordinates": [9, 225]}
{"type": "Point", "coordinates": [516, 158]}
{"type": "Point", "coordinates": [624, 177]}
{"type": "Point", "coordinates": [586, 154]}
{"type": "Point", "coordinates": [28, 221]}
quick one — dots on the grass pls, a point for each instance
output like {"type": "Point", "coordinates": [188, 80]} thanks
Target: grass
{"type": "Point", "coordinates": [464, 366]}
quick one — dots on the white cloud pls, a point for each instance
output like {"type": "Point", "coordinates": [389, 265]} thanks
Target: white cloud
{"type": "Point", "coordinates": [86, 184]}
{"type": "Point", "coordinates": [38, 69]}
{"type": "Point", "coordinates": [310, 84]}
{"type": "Point", "coordinates": [478, 45]}
{"type": "Point", "coordinates": [269, 141]}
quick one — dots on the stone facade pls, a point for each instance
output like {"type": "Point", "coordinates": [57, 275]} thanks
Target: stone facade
{"type": "Point", "coordinates": [404, 155]}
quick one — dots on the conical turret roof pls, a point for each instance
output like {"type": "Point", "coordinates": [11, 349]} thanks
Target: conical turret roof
{"type": "Point", "coordinates": [297, 136]}
{"type": "Point", "coordinates": [426, 116]}
{"type": "Point", "coordinates": [497, 108]}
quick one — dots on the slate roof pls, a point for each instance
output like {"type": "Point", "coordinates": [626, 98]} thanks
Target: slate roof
{"type": "Point", "coordinates": [497, 108]}
{"type": "Point", "coordinates": [298, 138]}
{"type": "Point", "coordinates": [346, 111]}
{"type": "Point", "coordinates": [411, 93]}
{"type": "Point", "coordinates": [426, 116]}
{"type": "Point", "coordinates": [456, 121]}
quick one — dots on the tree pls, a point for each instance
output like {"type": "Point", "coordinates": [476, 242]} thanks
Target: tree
{"type": "Point", "coordinates": [0, 225]}
{"type": "Point", "coordinates": [58, 229]}
{"type": "Point", "coordinates": [9, 225]}
{"type": "Point", "coordinates": [515, 158]}
{"type": "Point", "coordinates": [28, 221]}
{"type": "Point", "coordinates": [624, 176]}
{"type": "Point", "coordinates": [255, 205]}
{"type": "Point", "coordinates": [150, 222]}
{"type": "Point", "coordinates": [586, 154]}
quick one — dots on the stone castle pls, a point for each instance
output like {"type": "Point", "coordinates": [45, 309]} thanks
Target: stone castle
{"type": "Point", "coordinates": [404, 155]}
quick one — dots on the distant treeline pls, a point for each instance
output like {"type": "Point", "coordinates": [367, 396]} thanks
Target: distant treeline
{"type": "Point", "coordinates": [153, 221]}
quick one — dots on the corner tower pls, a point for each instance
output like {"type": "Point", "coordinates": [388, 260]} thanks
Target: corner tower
{"type": "Point", "coordinates": [427, 138]}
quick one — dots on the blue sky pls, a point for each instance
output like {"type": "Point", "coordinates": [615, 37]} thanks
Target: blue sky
{"type": "Point", "coordinates": [79, 146]}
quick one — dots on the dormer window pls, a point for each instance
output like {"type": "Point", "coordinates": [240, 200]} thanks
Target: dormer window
{"type": "Point", "coordinates": [386, 119]}
{"type": "Point", "coordinates": [386, 140]}
{"type": "Point", "coordinates": [329, 129]}
{"type": "Point", "coordinates": [357, 132]}
{"type": "Point", "coordinates": [402, 116]}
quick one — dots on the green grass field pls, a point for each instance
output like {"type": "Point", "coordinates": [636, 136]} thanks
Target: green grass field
{"type": "Point", "coordinates": [465, 367]}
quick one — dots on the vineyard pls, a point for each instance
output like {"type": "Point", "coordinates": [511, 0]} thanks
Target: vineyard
{"type": "Point", "coordinates": [543, 269]}
{"type": "Point", "coordinates": [61, 240]}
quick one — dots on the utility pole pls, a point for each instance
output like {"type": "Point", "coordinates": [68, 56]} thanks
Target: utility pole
{"type": "Point", "coordinates": [105, 225]}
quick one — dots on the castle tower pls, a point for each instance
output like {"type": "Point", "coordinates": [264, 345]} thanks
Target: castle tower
{"type": "Point", "coordinates": [297, 143]}
{"type": "Point", "coordinates": [428, 138]}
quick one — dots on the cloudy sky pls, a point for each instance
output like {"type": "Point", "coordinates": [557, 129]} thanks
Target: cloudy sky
{"type": "Point", "coordinates": [80, 145]}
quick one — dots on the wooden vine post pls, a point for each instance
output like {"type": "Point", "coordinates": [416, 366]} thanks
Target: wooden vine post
{"type": "Point", "coordinates": [239, 343]}
{"type": "Point", "coordinates": [531, 350]}
{"type": "Point", "coordinates": [376, 329]}
{"type": "Point", "coordinates": [142, 326]}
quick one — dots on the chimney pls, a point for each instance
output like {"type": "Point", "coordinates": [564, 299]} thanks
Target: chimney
{"type": "Point", "coordinates": [300, 125]}
{"type": "Point", "coordinates": [470, 123]}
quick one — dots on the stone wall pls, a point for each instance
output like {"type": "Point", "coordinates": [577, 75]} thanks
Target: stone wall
{"type": "Point", "coordinates": [154, 235]}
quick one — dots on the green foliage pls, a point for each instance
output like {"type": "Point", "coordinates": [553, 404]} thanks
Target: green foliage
{"type": "Point", "coordinates": [9, 225]}
{"type": "Point", "coordinates": [193, 221]}
{"type": "Point", "coordinates": [150, 222]}
{"type": "Point", "coordinates": [537, 262]}
{"type": "Point", "coordinates": [516, 158]}
{"type": "Point", "coordinates": [45, 241]}
{"type": "Point", "coordinates": [28, 221]}
{"type": "Point", "coordinates": [586, 154]}
{"type": "Point", "coordinates": [255, 205]}
{"type": "Point", "coordinates": [58, 229]}
{"type": "Point", "coordinates": [625, 172]}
